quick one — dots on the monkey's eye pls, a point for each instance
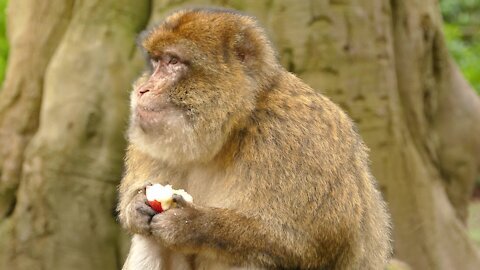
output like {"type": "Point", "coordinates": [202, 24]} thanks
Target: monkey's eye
{"type": "Point", "coordinates": [173, 60]}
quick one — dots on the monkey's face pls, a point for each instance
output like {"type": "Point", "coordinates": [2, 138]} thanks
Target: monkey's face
{"type": "Point", "coordinates": [152, 107]}
{"type": "Point", "coordinates": [197, 90]}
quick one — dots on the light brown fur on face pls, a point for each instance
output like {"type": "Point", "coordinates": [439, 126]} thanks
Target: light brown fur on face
{"type": "Point", "coordinates": [279, 177]}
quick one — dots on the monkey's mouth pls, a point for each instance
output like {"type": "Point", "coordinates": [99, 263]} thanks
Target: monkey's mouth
{"type": "Point", "coordinates": [150, 114]}
{"type": "Point", "coordinates": [143, 110]}
{"type": "Point", "coordinates": [151, 117]}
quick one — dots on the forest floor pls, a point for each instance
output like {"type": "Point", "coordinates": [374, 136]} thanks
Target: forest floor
{"type": "Point", "coordinates": [474, 220]}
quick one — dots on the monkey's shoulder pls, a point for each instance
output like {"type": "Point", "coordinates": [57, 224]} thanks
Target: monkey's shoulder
{"type": "Point", "coordinates": [293, 106]}
{"type": "Point", "coordinates": [293, 123]}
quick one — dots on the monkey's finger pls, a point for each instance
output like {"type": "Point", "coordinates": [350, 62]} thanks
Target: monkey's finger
{"type": "Point", "coordinates": [145, 210]}
{"type": "Point", "coordinates": [147, 183]}
{"type": "Point", "coordinates": [142, 190]}
{"type": "Point", "coordinates": [180, 201]}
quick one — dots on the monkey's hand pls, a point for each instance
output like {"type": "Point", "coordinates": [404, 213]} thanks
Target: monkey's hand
{"type": "Point", "coordinates": [138, 214]}
{"type": "Point", "coordinates": [178, 227]}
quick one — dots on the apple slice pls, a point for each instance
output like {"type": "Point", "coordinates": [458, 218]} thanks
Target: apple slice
{"type": "Point", "coordinates": [160, 197]}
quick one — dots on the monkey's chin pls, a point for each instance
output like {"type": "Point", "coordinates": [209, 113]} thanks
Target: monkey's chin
{"type": "Point", "coordinates": [149, 124]}
{"type": "Point", "coordinates": [171, 138]}
{"type": "Point", "coordinates": [165, 135]}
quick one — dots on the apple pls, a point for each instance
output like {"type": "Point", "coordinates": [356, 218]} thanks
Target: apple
{"type": "Point", "coordinates": [160, 197]}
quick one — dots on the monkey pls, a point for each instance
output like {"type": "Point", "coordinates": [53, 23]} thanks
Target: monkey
{"type": "Point", "coordinates": [279, 175]}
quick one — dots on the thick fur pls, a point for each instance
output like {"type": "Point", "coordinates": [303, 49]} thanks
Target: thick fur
{"type": "Point", "coordinates": [279, 176]}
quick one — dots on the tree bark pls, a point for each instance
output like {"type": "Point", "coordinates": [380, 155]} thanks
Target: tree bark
{"type": "Point", "coordinates": [67, 174]}
{"type": "Point", "coordinates": [384, 62]}
{"type": "Point", "coordinates": [29, 37]}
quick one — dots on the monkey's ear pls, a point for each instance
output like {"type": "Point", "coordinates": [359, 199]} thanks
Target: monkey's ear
{"type": "Point", "coordinates": [254, 50]}
{"type": "Point", "coordinates": [247, 46]}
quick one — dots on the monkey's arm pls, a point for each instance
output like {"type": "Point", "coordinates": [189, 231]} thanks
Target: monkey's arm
{"type": "Point", "coordinates": [224, 233]}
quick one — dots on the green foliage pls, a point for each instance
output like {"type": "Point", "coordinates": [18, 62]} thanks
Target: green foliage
{"type": "Point", "coordinates": [462, 30]}
{"type": "Point", "coordinates": [3, 40]}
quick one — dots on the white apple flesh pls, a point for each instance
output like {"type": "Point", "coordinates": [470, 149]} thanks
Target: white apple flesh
{"type": "Point", "coordinates": [160, 197]}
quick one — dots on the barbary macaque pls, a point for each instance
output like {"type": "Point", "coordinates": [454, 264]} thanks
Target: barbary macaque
{"type": "Point", "coordinates": [278, 175]}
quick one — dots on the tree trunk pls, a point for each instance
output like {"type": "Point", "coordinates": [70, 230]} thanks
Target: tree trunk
{"type": "Point", "coordinates": [384, 62]}
{"type": "Point", "coordinates": [72, 62]}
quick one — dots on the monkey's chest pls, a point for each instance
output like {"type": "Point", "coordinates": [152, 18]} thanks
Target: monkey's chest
{"type": "Point", "coordinates": [212, 189]}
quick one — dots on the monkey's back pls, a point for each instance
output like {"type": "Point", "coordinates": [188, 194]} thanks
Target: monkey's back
{"type": "Point", "coordinates": [303, 144]}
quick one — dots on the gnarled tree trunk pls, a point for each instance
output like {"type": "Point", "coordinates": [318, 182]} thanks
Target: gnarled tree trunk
{"type": "Point", "coordinates": [64, 106]}
{"type": "Point", "coordinates": [384, 62]}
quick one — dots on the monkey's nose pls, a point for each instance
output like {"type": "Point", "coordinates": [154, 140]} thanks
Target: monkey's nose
{"type": "Point", "coordinates": [143, 90]}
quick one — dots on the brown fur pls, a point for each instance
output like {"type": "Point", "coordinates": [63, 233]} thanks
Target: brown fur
{"type": "Point", "coordinates": [279, 177]}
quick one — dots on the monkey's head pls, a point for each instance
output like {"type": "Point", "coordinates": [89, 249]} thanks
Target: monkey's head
{"type": "Point", "coordinates": [207, 69]}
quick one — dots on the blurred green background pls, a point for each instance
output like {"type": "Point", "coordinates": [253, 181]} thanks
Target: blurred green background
{"type": "Point", "coordinates": [3, 40]}
{"type": "Point", "coordinates": [462, 29]}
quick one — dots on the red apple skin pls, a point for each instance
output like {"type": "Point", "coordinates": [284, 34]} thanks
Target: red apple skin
{"type": "Point", "coordinates": [157, 206]}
